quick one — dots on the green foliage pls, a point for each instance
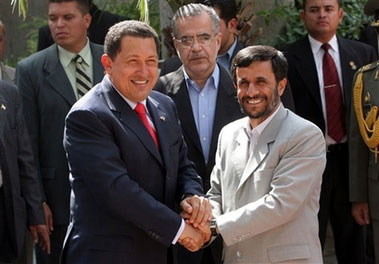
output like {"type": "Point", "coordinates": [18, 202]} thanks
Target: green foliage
{"type": "Point", "coordinates": [350, 27]}
{"type": "Point", "coordinates": [130, 10]}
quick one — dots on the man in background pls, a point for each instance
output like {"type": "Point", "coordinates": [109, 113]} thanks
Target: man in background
{"type": "Point", "coordinates": [50, 82]}
{"type": "Point", "coordinates": [370, 33]}
{"type": "Point", "coordinates": [321, 70]}
{"type": "Point", "coordinates": [101, 21]}
{"type": "Point", "coordinates": [20, 190]}
{"type": "Point", "coordinates": [229, 46]}
{"type": "Point", "coordinates": [6, 73]}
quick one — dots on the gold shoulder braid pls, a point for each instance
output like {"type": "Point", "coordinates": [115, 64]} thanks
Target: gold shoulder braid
{"type": "Point", "coordinates": [369, 126]}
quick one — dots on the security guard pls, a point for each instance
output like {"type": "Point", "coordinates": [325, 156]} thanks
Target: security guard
{"type": "Point", "coordinates": [364, 150]}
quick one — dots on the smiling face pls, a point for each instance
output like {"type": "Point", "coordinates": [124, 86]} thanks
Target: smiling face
{"type": "Point", "coordinates": [68, 25]}
{"type": "Point", "coordinates": [321, 18]}
{"type": "Point", "coordinates": [257, 90]}
{"type": "Point", "coordinates": [199, 60]}
{"type": "Point", "coordinates": [134, 70]}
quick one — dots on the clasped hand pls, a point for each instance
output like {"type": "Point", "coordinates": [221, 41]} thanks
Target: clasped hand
{"type": "Point", "coordinates": [197, 212]}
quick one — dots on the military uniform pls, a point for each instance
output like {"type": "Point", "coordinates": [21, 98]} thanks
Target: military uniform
{"type": "Point", "coordinates": [364, 144]}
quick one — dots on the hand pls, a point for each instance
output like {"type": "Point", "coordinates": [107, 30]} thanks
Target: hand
{"type": "Point", "coordinates": [48, 217]}
{"type": "Point", "coordinates": [360, 213]}
{"type": "Point", "coordinates": [197, 210]}
{"type": "Point", "coordinates": [191, 238]}
{"type": "Point", "coordinates": [40, 235]}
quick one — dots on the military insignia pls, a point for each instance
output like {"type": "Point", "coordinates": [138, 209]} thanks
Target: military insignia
{"type": "Point", "coordinates": [162, 118]}
{"type": "Point", "coordinates": [3, 107]}
{"type": "Point", "coordinates": [376, 75]}
{"type": "Point", "coordinates": [352, 65]}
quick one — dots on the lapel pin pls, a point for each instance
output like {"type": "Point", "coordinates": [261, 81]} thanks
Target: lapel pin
{"type": "Point", "coordinates": [3, 107]}
{"type": "Point", "coordinates": [162, 118]}
{"type": "Point", "coordinates": [352, 65]}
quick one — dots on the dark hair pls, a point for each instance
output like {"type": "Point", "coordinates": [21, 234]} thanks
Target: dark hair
{"type": "Point", "coordinates": [339, 2]}
{"type": "Point", "coordinates": [83, 5]}
{"type": "Point", "coordinates": [193, 10]}
{"type": "Point", "coordinates": [228, 8]}
{"type": "Point", "coordinates": [248, 55]}
{"type": "Point", "coordinates": [112, 43]}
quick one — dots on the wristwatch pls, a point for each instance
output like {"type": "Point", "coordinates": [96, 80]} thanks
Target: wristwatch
{"type": "Point", "coordinates": [213, 227]}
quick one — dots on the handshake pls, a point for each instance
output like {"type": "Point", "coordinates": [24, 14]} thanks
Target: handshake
{"type": "Point", "coordinates": [197, 213]}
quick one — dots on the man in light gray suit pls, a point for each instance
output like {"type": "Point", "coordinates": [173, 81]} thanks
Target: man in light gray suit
{"type": "Point", "coordinates": [49, 86]}
{"type": "Point", "coordinates": [266, 182]}
{"type": "Point", "coordinates": [6, 72]}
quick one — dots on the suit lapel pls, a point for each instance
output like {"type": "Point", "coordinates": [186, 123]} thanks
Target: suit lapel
{"type": "Point", "coordinates": [130, 119]}
{"type": "Point", "coordinates": [179, 94]}
{"type": "Point", "coordinates": [347, 58]}
{"type": "Point", "coordinates": [306, 67]}
{"type": "Point", "coordinates": [56, 76]}
{"type": "Point", "coordinates": [262, 149]}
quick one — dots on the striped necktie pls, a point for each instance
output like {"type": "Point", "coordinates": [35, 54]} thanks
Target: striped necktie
{"type": "Point", "coordinates": [83, 82]}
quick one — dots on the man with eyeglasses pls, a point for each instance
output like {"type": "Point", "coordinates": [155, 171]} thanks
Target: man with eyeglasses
{"type": "Point", "coordinates": [204, 96]}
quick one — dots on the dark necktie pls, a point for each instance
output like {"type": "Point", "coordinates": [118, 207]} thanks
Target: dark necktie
{"type": "Point", "coordinates": [83, 82]}
{"type": "Point", "coordinates": [141, 112]}
{"type": "Point", "coordinates": [335, 111]}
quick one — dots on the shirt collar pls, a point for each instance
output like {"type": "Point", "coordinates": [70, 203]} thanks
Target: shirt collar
{"type": "Point", "coordinates": [215, 77]}
{"type": "Point", "coordinates": [316, 45]}
{"type": "Point", "coordinates": [66, 56]}
{"type": "Point", "coordinates": [230, 51]}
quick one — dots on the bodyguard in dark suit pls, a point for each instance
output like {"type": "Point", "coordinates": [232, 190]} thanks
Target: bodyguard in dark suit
{"type": "Point", "coordinates": [128, 162]}
{"type": "Point", "coordinates": [204, 95]}
{"type": "Point", "coordinates": [100, 23]}
{"type": "Point", "coordinates": [370, 33]}
{"type": "Point", "coordinates": [305, 59]}
{"type": "Point", "coordinates": [20, 193]}
{"type": "Point", "coordinates": [47, 81]}
{"type": "Point", "coordinates": [229, 46]}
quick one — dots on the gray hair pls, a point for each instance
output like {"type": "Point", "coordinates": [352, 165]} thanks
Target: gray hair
{"type": "Point", "coordinates": [193, 10]}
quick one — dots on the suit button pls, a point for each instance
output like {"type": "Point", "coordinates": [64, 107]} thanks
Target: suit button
{"type": "Point", "coordinates": [239, 254]}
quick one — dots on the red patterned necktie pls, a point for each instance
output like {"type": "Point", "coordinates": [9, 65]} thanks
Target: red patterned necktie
{"type": "Point", "coordinates": [335, 111]}
{"type": "Point", "coordinates": [141, 112]}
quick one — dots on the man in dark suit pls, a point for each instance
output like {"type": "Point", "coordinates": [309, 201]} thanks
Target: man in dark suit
{"type": "Point", "coordinates": [47, 81]}
{"type": "Point", "coordinates": [128, 162]}
{"type": "Point", "coordinates": [370, 33]}
{"type": "Point", "coordinates": [311, 91]}
{"type": "Point", "coordinates": [100, 23]}
{"type": "Point", "coordinates": [20, 193]}
{"type": "Point", "coordinates": [227, 12]}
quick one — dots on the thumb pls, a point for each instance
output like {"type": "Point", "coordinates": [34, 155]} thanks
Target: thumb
{"type": "Point", "coordinates": [186, 206]}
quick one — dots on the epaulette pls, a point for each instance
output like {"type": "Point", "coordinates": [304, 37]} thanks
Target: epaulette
{"type": "Point", "coordinates": [369, 67]}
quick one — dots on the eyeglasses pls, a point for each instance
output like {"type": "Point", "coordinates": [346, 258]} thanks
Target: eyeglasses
{"type": "Point", "coordinates": [203, 39]}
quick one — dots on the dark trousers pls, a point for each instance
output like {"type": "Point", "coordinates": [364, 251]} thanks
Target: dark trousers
{"type": "Point", "coordinates": [56, 245]}
{"type": "Point", "coordinates": [7, 253]}
{"type": "Point", "coordinates": [349, 239]}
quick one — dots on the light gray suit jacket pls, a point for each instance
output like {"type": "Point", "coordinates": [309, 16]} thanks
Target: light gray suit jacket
{"type": "Point", "coordinates": [7, 73]}
{"type": "Point", "coordinates": [266, 206]}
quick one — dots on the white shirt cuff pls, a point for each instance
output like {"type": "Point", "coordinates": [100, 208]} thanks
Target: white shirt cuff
{"type": "Point", "coordinates": [180, 231]}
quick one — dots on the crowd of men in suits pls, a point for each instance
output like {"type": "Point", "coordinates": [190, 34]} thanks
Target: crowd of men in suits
{"type": "Point", "coordinates": [102, 159]}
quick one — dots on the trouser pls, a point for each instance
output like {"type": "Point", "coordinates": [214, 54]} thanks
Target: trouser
{"type": "Point", "coordinates": [349, 239]}
{"type": "Point", "coordinates": [7, 252]}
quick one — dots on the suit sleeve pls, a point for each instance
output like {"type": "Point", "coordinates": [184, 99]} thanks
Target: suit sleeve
{"type": "Point", "coordinates": [295, 178]}
{"type": "Point", "coordinates": [95, 159]}
{"type": "Point", "coordinates": [30, 185]}
{"type": "Point", "coordinates": [28, 89]}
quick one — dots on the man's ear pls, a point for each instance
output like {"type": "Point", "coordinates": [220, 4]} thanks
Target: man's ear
{"type": "Point", "coordinates": [232, 25]}
{"type": "Point", "coordinates": [107, 63]}
{"type": "Point", "coordinates": [282, 86]}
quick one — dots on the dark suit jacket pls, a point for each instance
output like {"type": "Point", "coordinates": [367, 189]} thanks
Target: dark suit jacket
{"type": "Point", "coordinates": [370, 36]}
{"type": "Point", "coordinates": [124, 189]}
{"type": "Point", "coordinates": [174, 63]}
{"type": "Point", "coordinates": [47, 97]}
{"type": "Point", "coordinates": [302, 75]}
{"type": "Point", "coordinates": [227, 110]}
{"type": "Point", "coordinates": [23, 196]}
{"type": "Point", "coordinates": [100, 23]}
